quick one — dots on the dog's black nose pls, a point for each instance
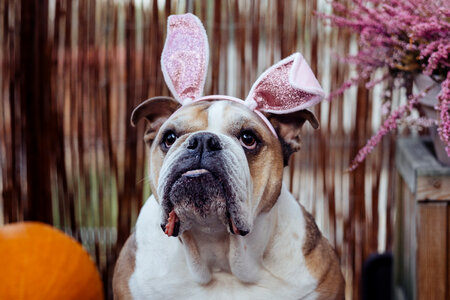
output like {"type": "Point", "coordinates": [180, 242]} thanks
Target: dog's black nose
{"type": "Point", "coordinates": [204, 141]}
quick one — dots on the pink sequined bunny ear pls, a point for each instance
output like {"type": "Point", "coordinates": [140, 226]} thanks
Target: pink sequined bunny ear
{"type": "Point", "coordinates": [287, 86]}
{"type": "Point", "coordinates": [184, 60]}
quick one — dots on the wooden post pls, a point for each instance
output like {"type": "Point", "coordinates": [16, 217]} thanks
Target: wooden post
{"type": "Point", "coordinates": [422, 229]}
{"type": "Point", "coordinates": [35, 104]}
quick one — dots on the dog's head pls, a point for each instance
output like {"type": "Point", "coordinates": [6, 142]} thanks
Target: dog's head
{"type": "Point", "coordinates": [216, 162]}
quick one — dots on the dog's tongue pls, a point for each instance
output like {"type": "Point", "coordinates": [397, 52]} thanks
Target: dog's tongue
{"type": "Point", "coordinates": [233, 226]}
{"type": "Point", "coordinates": [171, 223]}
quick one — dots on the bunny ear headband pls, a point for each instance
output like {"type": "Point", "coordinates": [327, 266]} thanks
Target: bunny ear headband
{"type": "Point", "coordinates": [287, 86]}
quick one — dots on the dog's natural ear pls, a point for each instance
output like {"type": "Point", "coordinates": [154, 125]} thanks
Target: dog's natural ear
{"type": "Point", "coordinates": [288, 127]}
{"type": "Point", "coordinates": [156, 111]}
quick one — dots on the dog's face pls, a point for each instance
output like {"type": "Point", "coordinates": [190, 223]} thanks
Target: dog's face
{"type": "Point", "coordinates": [215, 165]}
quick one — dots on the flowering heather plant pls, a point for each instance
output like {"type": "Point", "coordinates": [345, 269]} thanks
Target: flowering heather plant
{"type": "Point", "coordinates": [401, 37]}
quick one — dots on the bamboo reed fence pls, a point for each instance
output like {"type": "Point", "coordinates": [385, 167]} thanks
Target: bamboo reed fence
{"type": "Point", "coordinates": [72, 71]}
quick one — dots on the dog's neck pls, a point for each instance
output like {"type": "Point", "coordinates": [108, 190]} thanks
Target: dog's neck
{"type": "Point", "coordinates": [223, 252]}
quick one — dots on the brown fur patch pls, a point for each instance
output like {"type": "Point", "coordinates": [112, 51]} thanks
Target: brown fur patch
{"type": "Point", "coordinates": [322, 262]}
{"type": "Point", "coordinates": [125, 265]}
{"type": "Point", "coordinates": [313, 235]}
{"type": "Point", "coordinates": [288, 127]}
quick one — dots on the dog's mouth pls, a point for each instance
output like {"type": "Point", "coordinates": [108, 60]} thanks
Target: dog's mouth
{"type": "Point", "coordinates": [201, 192]}
{"type": "Point", "coordinates": [172, 226]}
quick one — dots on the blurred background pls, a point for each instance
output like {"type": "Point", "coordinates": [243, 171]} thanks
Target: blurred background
{"type": "Point", "coordinates": [73, 70]}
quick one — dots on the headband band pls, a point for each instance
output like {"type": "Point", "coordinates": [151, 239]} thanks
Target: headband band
{"type": "Point", "coordinates": [246, 103]}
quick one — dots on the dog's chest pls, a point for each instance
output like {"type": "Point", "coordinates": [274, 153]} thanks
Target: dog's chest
{"type": "Point", "coordinates": [178, 285]}
{"type": "Point", "coordinates": [161, 271]}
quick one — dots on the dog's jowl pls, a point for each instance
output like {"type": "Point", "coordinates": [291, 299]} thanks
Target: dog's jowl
{"type": "Point", "coordinates": [220, 224]}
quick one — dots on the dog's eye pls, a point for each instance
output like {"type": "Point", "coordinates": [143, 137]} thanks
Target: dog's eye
{"type": "Point", "coordinates": [169, 139]}
{"type": "Point", "coordinates": [248, 140]}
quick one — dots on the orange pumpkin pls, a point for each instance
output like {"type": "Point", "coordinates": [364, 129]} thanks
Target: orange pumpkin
{"type": "Point", "coordinates": [39, 262]}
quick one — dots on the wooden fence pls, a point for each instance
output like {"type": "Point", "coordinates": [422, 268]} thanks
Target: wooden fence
{"type": "Point", "coordinates": [72, 71]}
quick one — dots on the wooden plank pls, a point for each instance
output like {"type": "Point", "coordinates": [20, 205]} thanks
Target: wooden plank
{"type": "Point", "coordinates": [448, 252]}
{"type": "Point", "coordinates": [433, 188]}
{"type": "Point", "coordinates": [410, 240]}
{"type": "Point", "coordinates": [405, 240]}
{"type": "Point", "coordinates": [411, 260]}
{"type": "Point", "coordinates": [400, 245]}
{"type": "Point", "coordinates": [432, 251]}
{"type": "Point", "coordinates": [414, 160]}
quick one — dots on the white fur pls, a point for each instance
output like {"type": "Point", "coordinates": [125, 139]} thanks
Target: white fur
{"type": "Point", "coordinates": [270, 256]}
{"type": "Point", "coordinates": [215, 116]}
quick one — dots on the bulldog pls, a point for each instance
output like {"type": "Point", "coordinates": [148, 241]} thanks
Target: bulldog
{"type": "Point", "coordinates": [220, 223]}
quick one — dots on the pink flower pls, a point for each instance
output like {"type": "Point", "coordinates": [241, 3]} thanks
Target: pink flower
{"type": "Point", "coordinates": [388, 125]}
{"type": "Point", "coordinates": [402, 37]}
{"type": "Point", "coordinates": [444, 104]}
